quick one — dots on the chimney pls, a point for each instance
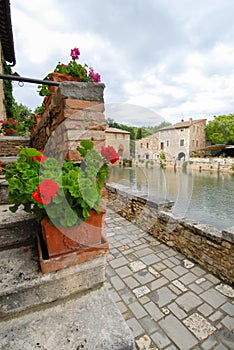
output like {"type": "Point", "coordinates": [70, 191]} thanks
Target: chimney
{"type": "Point", "coordinates": [190, 119]}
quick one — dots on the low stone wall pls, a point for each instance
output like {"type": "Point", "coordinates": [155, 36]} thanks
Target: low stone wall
{"type": "Point", "coordinates": [204, 244]}
{"type": "Point", "coordinates": [8, 145]}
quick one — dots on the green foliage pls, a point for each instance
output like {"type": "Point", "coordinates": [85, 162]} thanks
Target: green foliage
{"type": "Point", "coordinates": [39, 109]}
{"type": "Point", "coordinates": [78, 185]}
{"type": "Point", "coordinates": [220, 130]}
{"type": "Point", "coordinates": [43, 90]}
{"type": "Point", "coordinates": [7, 88]}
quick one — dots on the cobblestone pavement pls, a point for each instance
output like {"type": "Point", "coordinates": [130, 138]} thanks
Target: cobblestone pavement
{"type": "Point", "coordinates": [168, 302]}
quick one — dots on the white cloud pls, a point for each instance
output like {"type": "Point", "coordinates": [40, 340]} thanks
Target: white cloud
{"type": "Point", "coordinates": [175, 58]}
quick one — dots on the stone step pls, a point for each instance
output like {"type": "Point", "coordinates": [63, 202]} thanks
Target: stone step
{"type": "Point", "coordinates": [91, 321]}
{"type": "Point", "coordinates": [23, 286]}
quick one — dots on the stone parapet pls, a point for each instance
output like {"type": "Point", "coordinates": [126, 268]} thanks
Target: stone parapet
{"type": "Point", "coordinates": [8, 145]}
{"type": "Point", "coordinates": [204, 244]}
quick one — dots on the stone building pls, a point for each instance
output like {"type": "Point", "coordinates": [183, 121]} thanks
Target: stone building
{"type": "Point", "coordinates": [147, 148]}
{"type": "Point", "coordinates": [120, 140]}
{"type": "Point", "coordinates": [176, 141]}
{"type": "Point", "coordinates": [6, 46]}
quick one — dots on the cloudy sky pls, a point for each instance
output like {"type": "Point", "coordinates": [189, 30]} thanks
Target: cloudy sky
{"type": "Point", "coordinates": [159, 59]}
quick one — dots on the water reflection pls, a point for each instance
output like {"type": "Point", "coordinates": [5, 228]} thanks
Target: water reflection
{"type": "Point", "coordinates": [202, 196]}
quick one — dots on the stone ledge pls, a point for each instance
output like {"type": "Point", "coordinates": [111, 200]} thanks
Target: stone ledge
{"type": "Point", "coordinates": [91, 321]}
{"type": "Point", "coordinates": [23, 286]}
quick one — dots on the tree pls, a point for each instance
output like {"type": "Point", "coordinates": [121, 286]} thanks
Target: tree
{"type": "Point", "coordinates": [221, 129]}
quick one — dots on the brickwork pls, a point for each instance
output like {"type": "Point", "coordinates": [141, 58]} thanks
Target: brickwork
{"type": "Point", "coordinates": [8, 145]}
{"type": "Point", "coordinates": [211, 248]}
{"type": "Point", "coordinates": [74, 114]}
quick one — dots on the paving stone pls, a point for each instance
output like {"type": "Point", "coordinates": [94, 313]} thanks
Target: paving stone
{"type": "Point", "coordinates": [195, 288]}
{"type": "Point", "coordinates": [123, 271]}
{"type": "Point", "coordinates": [159, 266]}
{"type": "Point", "coordinates": [180, 270]}
{"type": "Point", "coordinates": [205, 309]}
{"type": "Point", "coordinates": [150, 259]}
{"type": "Point", "coordinates": [154, 272]}
{"type": "Point", "coordinates": [197, 270]}
{"type": "Point", "coordinates": [216, 316]}
{"type": "Point", "coordinates": [225, 290]}
{"type": "Point", "coordinates": [143, 252]}
{"type": "Point", "coordinates": [212, 278]}
{"type": "Point", "coordinates": [144, 299]}
{"type": "Point", "coordinates": [168, 263]}
{"type": "Point", "coordinates": [221, 347]}
{"type": "Point", "coordinates": [149, 325]}
{"type": "Point", "coordinates": [144, 276]}
{"type": "Point", "coordinates": [188, 278]}
{"type": "Point", "coordinates": [228, 323]}
{"type": "Point", "coordinates": [117, 282]}
{"type": "Point", "coordinates": [214, 298]}
{"type": "Point", "coordinates": [154, 311]}
{"type": "Point", "coordinates": [137, 266]}
{"type": "Point", "coordinates": [209, 343]}
{"type": "Point", "coordinates": [122, 307]}
{"type": "Point", "coordinates": [139, 292]}
{"type": "Point", "coordinates": [206, 285]}
{"type": "Point", "coordinates": [131, 282]}
{"type": "Point", "coordinates": [119, 262]}
{"type": "Point", "coordinates": [188, 264]}
{"type": "Point", "coordinates": [135, 327]}
{"type": "Point", "coordinates": [162, 296]}
{"type": "Point", "coordinates": [158, 283]}
{"type": "Point", "coordinates": [143, 343]}
{"type": "Point", "coordinates": [127, 296]}
{"type": "Point", "coordinates": [199, 326]}
{"type": "Point", "coordinates": [176, 331]}
{"type": "Point", "coordinates": [228, 308]}
{"type": "Point", "coordinates": [180, 285]}
{"type": "Point", "coordinates": [177, 311]}
{"type": "Point", "coordinates": [169, 274]}
{"type": "Point", "coordinates": [160, 339]}
{"type": "Point", "coordinates": [188, 301]}
{"type": "Point", "coordinates": [200, 280]}
{"type": "Point", "coordinates": [137, 310]}
{"type": "Point", "coordinates": [227, 337]}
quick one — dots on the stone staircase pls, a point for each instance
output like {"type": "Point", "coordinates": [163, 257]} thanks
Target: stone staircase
{"type": "Point", "coordinates": [66, 309]}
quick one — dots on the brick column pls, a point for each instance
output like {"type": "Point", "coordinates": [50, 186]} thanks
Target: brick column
{"type": "Point", "coordinates": [75, 114]}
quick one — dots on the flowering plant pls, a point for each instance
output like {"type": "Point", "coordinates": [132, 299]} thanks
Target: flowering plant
{"type": "Point", "coordinates": [76, 70]}
{"type": "Point", "coordinates": [9, 123]}
{"type": "Point", "coordinates": [64, 192]}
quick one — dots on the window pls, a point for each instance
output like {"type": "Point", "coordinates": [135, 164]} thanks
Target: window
{"type": "Point", "coordinates": [167, 143]}
{"type": "Point", "coordinates": [162, 146]}
{"type": "Point", "coordinates": [196, 143]}
{"type": "Point", "coordinates": [141, 145]}
{"type": "Point", "coordinates": [123, 136]}
{"type": "Point", "coordinates": [181, 142]}
{"type": "Point", "coordinates": [115, 136]}
{"type": "Point", "coordinates": [181, 130]}
{"type": "Point", "coordinates": [147, 145]}
{"type": "Point", "coordinates": [193, 143]}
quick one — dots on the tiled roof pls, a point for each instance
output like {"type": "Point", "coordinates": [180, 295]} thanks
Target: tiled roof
{"type": "Point", "coordinates": [115, 130]}
{"type": "Point", "coordinates": [6, 35]}
{"type": "Point", "coordinates": [184, 124]}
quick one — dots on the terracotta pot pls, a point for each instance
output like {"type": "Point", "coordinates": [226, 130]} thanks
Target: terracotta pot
{"type": "Point", "coordinates": [10, 132]}
{"type": "Point", "coordinates": [60, 240]}
{"type": "Point", "coordinates": [59, 77]}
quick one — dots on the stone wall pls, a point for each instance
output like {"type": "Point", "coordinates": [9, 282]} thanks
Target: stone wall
{"type": "Point", "coordinates": [74, 114]}
{"type": "Point", "coordinates": [204, 244]}
{"type": "Point", "coordinates": [8, 145]}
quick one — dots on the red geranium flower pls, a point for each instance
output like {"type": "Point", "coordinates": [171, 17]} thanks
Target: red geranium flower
{"type": "Point", "coordinates": [110, 154]}
{"type": "Point", "coordinates": [45, 191]}
{"type": "Point", "coordinates": [40, 159]}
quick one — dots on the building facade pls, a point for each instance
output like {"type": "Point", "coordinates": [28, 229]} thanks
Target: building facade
{"type": "Point", "coordinates": [119, 140]}
{"type": "Point", "coordinates": [176, 141]}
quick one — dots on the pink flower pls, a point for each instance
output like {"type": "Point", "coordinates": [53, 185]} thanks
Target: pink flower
{"type": "Point", "coordinates": [14, 122]}
{"type": "Point", "coordinates": [75, 53]}
{"type": "Point", "coordinates": [95, 77]}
